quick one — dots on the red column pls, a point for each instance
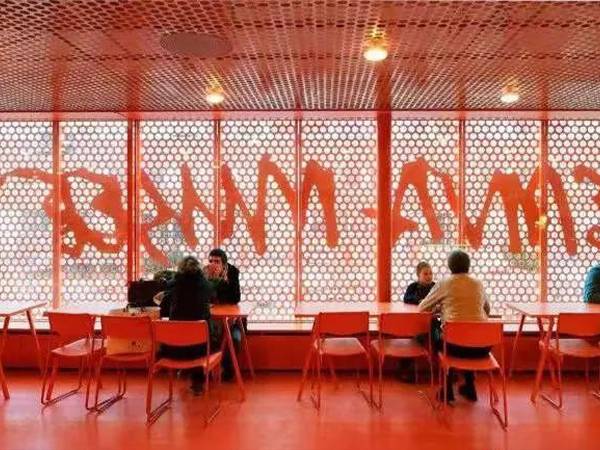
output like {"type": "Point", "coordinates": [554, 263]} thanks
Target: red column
{"type": "Point", "coordinates": [462, 152]}
{"type": "Point", "coordinates": [543, 211]}
{"type": "Point", "coordinates": [217, 180]}
{"type": "Point", "coordinates": [56, 213]}
{"type": "Point", "coordinates": [134, 268]}
{"type": "Point", "coordinates": [299, 224]}
{"type": "Point", "coordinates": [384, 188]}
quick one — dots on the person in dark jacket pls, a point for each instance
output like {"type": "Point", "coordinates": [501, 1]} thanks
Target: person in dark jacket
{"type": "Point", "coordinates": [190, 296]}
{"type": "Point", "coordinates": [591, 285]}
{"type": "Point", "coordinates": [415, 292]}
{"type": "Point", "coordinates": [225, 279]}
{"type": "Point", "coordinates": [418, 290]}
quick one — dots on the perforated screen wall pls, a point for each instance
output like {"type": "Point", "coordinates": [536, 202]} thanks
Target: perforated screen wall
{"type": "Point", "coordinates": [94, 264]}
{"type": "Point", "coordinates": [424, 227]}
{"type": "Point", "coordinates": [339, 250]}
{"type": "Point", "coordinates": [25, 226]}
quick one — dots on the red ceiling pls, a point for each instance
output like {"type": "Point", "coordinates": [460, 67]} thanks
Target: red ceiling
{"type": "Point", "coordinates": [92, 55]}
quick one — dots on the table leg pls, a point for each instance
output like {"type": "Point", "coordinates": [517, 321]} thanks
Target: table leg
{"type": "Point", "coordinates": [514, 350]}
{"type": "Point", "coordinates": [234, 361]}
{"type": "Point", "coordinates": [545, 335]}
{"type": "Point", "coordinates": [246, 348]}
{"type": "Point", "coordinates": [35, 340]}
{"type": "Point", "coordinates": [2, 343]}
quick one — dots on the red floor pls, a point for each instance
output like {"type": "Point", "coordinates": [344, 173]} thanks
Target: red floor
{"type": "Point", "coordinates": [272, 419]}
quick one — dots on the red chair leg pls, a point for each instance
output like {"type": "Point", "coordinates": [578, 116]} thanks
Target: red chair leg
{"type": "Point", "coordinates": [305, 370]}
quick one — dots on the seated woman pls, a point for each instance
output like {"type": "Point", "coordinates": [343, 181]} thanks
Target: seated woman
{"type": "Point", "coordinates": [415, 292]}
{"type": "Point", "coordinates": [459, 297]}
{"type": "Point", "coordinates": [190, 296]}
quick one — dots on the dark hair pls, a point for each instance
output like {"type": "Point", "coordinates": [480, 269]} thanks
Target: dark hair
{"type": "Point", "coordinates": [189, 264]}
{"type": "Point", "coordinates": [220, 254]}
{"type": "Point", "coordinates": [422, 265]}
{"type": "Point", "coordinates": [459, 262]}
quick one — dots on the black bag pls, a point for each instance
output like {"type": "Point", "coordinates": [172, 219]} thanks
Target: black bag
{"type": "Point", "coordinates": [140, 293]}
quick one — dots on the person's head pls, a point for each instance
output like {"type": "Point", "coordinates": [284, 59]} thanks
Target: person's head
{"type": "Point", "coordinates": [459, 262]}
{"type": "Point", "coordinates": [188, 265]}
{"type": "Point", "coordinates": [424, 273]}
{"type": "Point", "coordinates": [217, 257]}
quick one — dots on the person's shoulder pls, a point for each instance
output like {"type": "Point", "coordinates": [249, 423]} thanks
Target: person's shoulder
{"type": "Point", "coordinates": [232, 269]}
{"type": "Point", "coordinates": [412, 285]}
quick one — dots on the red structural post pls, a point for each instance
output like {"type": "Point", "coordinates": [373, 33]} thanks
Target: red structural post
{"type": "Point", "coordinates": [462, 153]}
{"type": "Point", "coordinates": [543, 211]}
{"type": "Point", "coordinates": [217, 180]}
{"type": "Point", "coordinates": [299, 222]}
{"type": "Point", "coordinates": [56, 213]}
{"type": "Point", "coordinates": [133, 194]}
{"type": "Point", "coordinates": [384, 187]}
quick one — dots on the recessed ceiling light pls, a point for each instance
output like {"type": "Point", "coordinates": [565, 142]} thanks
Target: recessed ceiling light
{"type": "Point", "coordinates": [376, 48]}
{"type": "Point", "coordinates": [215, 95]}
{"type": "Point", "coordinates": [375, 53]}
{"type": "Point", "coordinates": [510, 94]}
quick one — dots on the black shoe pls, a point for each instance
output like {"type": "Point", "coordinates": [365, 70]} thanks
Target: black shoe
{"type": "Point", "coordinates": [449, 395]}
{"type": "Point", "coordinates": [468, 391]}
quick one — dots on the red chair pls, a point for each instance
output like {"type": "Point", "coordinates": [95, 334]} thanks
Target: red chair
{"type": "Point", "coordinates": [182, 333]}
{"type": "Point", "coordinates": [337, 334]}
{"type": "Point", "coordinates": [72, 336]}
{"type": "Point", "coordinates": [475, 334]}
{"type": "Point", "coordinates": [574, 337]}
{"type": "Point", "coordinates": [122, 329]}
{"type": "Point", "coordinates": [396, 339]}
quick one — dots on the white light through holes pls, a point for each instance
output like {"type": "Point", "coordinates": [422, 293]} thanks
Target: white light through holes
{"type": "Point", "coordinates": [25, 228]}
{"type": "Point", "coordinates": [166, 147]}
{"type": "Point", "coordinates": [572, 143]}
{"type": "Point", "coordinates": [101, 148]}
{"type": "Point", "coordinates": [507, 146]}
{"type": "Point", "coordinates": [435, 142]}
{"type": "Point", "coordinates": [267, 280]}
{"type": "Point", "coordinates": [347, 272]}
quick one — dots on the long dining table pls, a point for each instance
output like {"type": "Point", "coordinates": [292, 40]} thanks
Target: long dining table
{"type": "Point", "coordinates": [375, 309]}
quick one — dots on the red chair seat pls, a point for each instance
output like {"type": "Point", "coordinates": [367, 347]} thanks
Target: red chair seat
{"type": "Point", "coordinates": [207, 363]}
{"type": "Point", "coordinates": [578, 348]}
{"type": "Point", "coordinates": [479, 364]}
{"type": "Point", "coordinates": [78, 348]}
{"type": "Point", "coordinates": [341, 346]}
{"type": "Point", "coordinates": [399, 348]}
{"type": "Point", "coordinates": [129, 357]}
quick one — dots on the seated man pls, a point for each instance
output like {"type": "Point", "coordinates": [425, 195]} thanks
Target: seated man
{"type": "Point", "coordinates": [225, 280]}
{"type": "Point", "coordinates": [459, 297]}
{"type": "Point", "coordinates": [591, 285]}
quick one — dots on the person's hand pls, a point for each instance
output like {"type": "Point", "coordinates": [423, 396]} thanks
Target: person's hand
{"type": "Point", "coordinates": [158, 298]}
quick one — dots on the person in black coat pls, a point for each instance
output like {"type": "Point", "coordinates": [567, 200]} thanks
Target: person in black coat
{"type": "Point", "coordinates": [415, 292]}
{"type": "Point", "coordinates": [225, 279]}
{"type": "Point", "coordinates": [418, 290]}
{"type": "Point", "coordinates": [190, 296]}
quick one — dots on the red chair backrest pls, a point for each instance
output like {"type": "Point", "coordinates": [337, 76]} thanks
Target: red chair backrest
{"type": "Point", "coordinates": [405, 324]}
{"type": "Point", "coordinates": [473, 334]}
{"type": "Point", "coordinates": [343, 323]}
{"type": "Point", "coordinates": [579, 324]}
{"type": "Point", "coordinates": [127, 327]}
{"type": "Point", "coordinates": [69, 327]}
{"type": "Point", "coordinates": [180, 333]}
